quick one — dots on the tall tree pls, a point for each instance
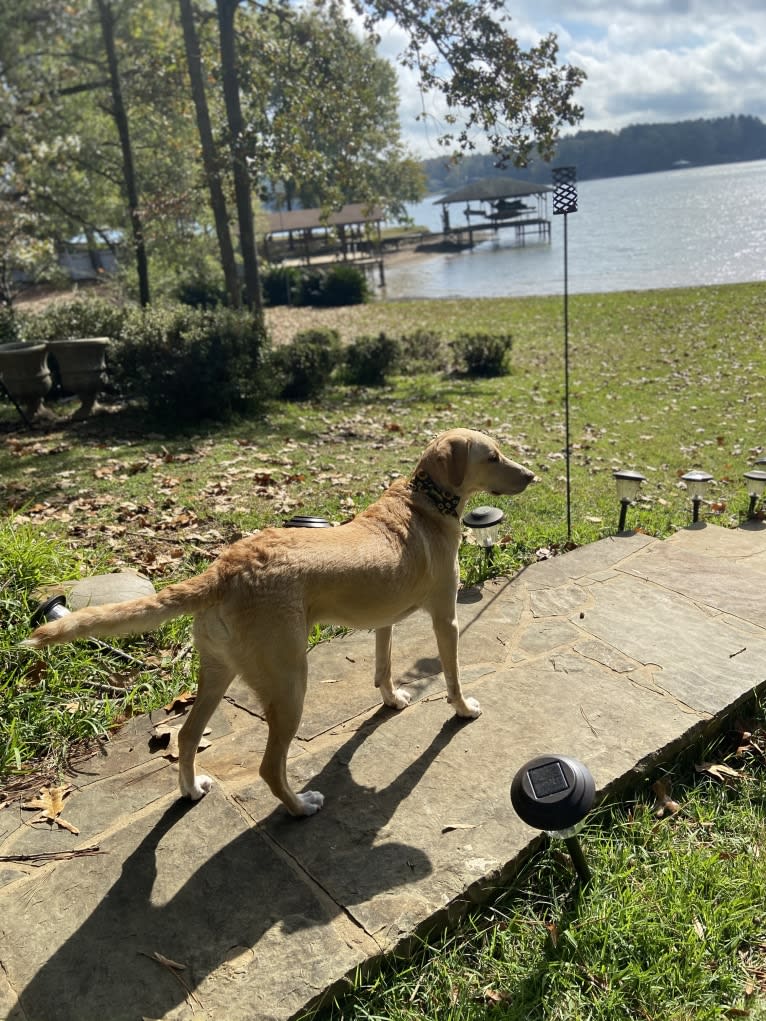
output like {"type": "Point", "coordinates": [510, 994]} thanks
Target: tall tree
{"type": "Point", "coordinates": [517, 99]}
{"type": "Point", "coordinates": [327, 106]}
{"type": "Point", "coordinates": [227, 10]}
{"type": "Point", "coordinates": [210, 156]}
{"type": "Point", "coordinates": [119, 113]}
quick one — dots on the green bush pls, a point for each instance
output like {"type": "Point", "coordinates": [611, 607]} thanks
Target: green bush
{"type": "Point", "coordinates": [189, 364]}
{"type": "Point", "coordinates": [201, 291]}
{"type": "Point", "coordinates": [302, 369]}
{"type": "Point", "coordinates": [9, 325]}
{"type": "Point", "coordinates": [423, 351]}
{"type": "Point", "coordinates": [281, 285]}
{"type": "Point", "coordinates": [345, 285]}
{"type": "Point", "coordinates": [70, 320]}
{"type": "Point", "coordinates": [483, 354]}
{"type": "Point", "coordinates": [340, 285]}
{"type": "Point", "coordinates": [369, 360]}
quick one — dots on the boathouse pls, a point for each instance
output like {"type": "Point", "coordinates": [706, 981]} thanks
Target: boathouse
{"type": "Point", "coordinates": [498, 203]}
{"type": "Point", "coordinates": [350, 234]}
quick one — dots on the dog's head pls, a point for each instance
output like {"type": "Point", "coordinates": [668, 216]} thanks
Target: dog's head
{"type": "Point", "coordinates": [464, 461]}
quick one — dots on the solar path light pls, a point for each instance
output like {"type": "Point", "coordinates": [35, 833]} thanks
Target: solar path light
{"type": "Point", "coordinates": [554, 793]}
{"type": "Point", "coordinates": [628, 483]}
{"type": "Point", "coordinates": [696, 483]}
{"type": "Point", "coordinates": [756, 483]}
{"type": "Point", "coordinates": [484, 523]}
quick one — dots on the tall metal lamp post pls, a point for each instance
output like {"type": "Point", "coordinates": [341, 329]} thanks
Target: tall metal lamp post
{"type": "Point", "coordinates": [565, 202]}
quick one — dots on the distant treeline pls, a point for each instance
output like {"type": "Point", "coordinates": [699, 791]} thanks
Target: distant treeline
{"type": "Point", "coordinates": [638, 149]}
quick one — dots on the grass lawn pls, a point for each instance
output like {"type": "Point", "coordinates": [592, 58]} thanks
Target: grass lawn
{"type": "Point", "coordinates": [661, 382]}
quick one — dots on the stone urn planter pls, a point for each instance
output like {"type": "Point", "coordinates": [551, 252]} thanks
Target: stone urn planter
{"type": "Point", "coordinates": [27, 378]}
{"type": "Point", "coordinates": [82, 365]}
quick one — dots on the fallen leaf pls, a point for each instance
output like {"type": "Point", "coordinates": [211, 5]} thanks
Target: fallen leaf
{"type": "Point", "coordinates": [723, 773]}
{"type": "Point", "coordinates": [180, 702]}
{"type": "Point", "coordinates": [51, 801]}
{"type": "Point", "coordinates": [165, 736]}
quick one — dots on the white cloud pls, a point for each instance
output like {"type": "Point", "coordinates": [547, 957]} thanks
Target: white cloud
{"type": "Point", "coordinates": [646, 60]}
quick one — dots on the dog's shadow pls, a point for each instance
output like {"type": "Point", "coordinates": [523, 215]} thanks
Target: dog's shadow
{"type": "Point", "coordinates": [246, 892]}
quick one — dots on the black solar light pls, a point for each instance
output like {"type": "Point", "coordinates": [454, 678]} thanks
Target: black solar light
{"type": "Point", "coordinates": [628, 483]}
{"type": "Point", "coordinates": [696, 482]}
{"type": "Point", "coordinates": [484, 522]}
{"type": "Point", "coordinates": [554, 793]}
{"type": "Point", "coordinates": [55, 608]}
{"type": "Point", "coordinates": [306, 521]}
{"type": "Point", "coordinates": [756, 483]}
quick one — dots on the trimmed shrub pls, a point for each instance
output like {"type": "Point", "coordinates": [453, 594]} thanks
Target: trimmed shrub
{"type": "Point", "coordinates": [187, 364]}
{"type": "Point", "coordinates": [281, 285]}
{"type": "Point", "coordinates": [345, 285]}
{"type": "Point", "coordinates": [484, 354]}
{"type": "Point", "coordinates": [369, 360]}
{"type": "Point", "coordinates": [9, 325]}
{"type": "Point", "coordinates": [302, 369]}
{"type": "Point", "coordinates": [70, 320]}
{"type": "Point", "coordinates": [424, 351]}
{"type": "Point", "coordinates": [340, 285]}
{"type": "Point", "coordinates": [201, 292]}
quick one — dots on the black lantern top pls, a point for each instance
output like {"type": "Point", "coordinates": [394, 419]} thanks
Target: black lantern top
{"type": "Point", "coordinates": [553, 792]}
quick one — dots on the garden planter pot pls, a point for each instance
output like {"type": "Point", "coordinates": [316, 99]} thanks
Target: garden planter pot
{"type": "Point", "coordinates": [25, 373]}
{"type": "Point", "coordinates": [82, 366]}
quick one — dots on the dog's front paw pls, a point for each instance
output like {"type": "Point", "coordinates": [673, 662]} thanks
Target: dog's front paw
{"type": "Point", "coordinates": [311, 802]}
{"type": "Point", "coordinates": [468, 708]}
{"type": "Point", "coordinates": [199, 788]}
{"type": "Point", "coordinates": [398, 699]}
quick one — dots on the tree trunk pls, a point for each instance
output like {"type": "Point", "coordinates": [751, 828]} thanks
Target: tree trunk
{"type": "Point", "coordinates": [209, 156]}
{"type": "Point", "coordinates": [128, 167]}
{"type": "Point", "coordinates": [226, 11]}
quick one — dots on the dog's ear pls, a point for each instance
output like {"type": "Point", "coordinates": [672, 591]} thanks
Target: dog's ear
{"type": "Point", "coordinates": [457, 461]}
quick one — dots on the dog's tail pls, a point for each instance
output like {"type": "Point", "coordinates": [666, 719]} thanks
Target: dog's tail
{"type": "Point", "coordinates": [133, 617]}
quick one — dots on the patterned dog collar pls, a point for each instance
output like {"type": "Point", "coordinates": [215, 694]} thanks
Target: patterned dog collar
{"type": "Point", "coordinates": [446, 503]}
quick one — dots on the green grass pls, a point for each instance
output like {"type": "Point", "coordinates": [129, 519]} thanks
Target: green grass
{"type": "Point", "coordinates": [671, 928]}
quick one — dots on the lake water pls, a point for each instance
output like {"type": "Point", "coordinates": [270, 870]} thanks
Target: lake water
{"type": "Point", "coordinates": [699, 225]}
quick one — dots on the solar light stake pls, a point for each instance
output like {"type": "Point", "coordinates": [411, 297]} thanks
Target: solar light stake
{"type": "Point", "coordinates": [484, 522]}
{"type": "Point", "coordinates": [565, 202]}
{"type": "Point", "coordinates": [554, 793]}
{"type": "Point", "coordinates": [756, 483]}
{"type": "Point", "coordinates": [695, 485]}
{"type": "Point", "coordinates": [628, 483]}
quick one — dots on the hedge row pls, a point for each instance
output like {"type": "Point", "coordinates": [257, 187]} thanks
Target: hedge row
{"type": "Point", "coordinates": [189, 364]}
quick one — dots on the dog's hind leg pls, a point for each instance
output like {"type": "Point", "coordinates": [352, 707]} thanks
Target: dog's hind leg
{"type": "Point", "coordinates": [214, 678]}
{"type": "Point", "coordinates": [282, 690]}
{"type": "Point", "coordinates": [447, 637]}
{"type": "Point", "coordinates": [397, 698]}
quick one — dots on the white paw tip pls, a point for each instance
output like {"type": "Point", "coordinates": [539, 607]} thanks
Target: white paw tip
{"type": "Point", "coordinates": [401, 699]}
{"type": "Point", "coordinates": [202, 785]}
{"type": "Point", "coordinates": [311, 801]}
{"type": "Point", "coordinates": [471, 710]}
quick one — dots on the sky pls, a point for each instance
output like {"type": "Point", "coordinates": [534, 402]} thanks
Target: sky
{"type": "Point", "coordinates": [647, 61]}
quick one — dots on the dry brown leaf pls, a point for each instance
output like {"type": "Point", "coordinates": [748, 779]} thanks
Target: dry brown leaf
{"type": "Point", "coordinates": [51, 801]}
{"type": "Point", "coordinates": [721, 772]}
{"type": "Point", "coordinates": [180, 702]}
{"type": "Point", "coordinates": [170, 750]}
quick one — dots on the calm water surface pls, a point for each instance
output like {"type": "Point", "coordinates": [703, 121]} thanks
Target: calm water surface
{"type": "Point", "coordinates": [701, 225]}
